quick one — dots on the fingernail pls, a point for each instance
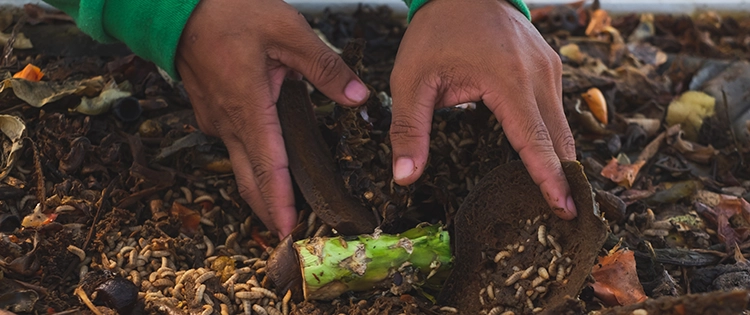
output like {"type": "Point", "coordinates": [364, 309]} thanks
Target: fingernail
{"type": "Point", "coordinates": [571, 207]}
{"type": "Point", "coordinates": [355, 91]}
{"type": "Point", "coordinates": [404, 168]}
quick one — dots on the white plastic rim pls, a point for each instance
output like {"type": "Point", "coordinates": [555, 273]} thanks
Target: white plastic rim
{"type": "Point", "coordinates": [613, 6]}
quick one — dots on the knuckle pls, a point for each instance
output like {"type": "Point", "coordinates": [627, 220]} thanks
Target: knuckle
{"type": "Point", "coordinates": [567, 144]}
{"type": "Point", "coordinates": [327, 66]}
{"type": "Point", "coordinates": [403, 129]}
{"type": "Point", "coordinates": [537, 133]}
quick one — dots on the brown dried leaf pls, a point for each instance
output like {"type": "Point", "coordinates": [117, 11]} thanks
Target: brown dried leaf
{"type": "Point", "coordinates": [190, 218]}
{"type": "Point", "coordinates": [623, 175]}
{"type": "Point", "coordinates": [617, 279]}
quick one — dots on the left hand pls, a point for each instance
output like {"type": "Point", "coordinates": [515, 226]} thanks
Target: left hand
{"type": "Point", "coordinates": [458, 51]}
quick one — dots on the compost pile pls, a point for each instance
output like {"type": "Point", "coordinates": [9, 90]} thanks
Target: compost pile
{"type": "Point", "coordinates": [111, 200]}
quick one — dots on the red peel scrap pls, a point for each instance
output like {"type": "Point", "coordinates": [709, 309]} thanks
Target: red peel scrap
{"type": "Point", "coordinates": [625, 174]}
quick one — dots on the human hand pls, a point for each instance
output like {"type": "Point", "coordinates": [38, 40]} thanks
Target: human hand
{"type": "Point", "coordinates": [233, 57]}
{"type": "Point", "coordinates": [458, 51]}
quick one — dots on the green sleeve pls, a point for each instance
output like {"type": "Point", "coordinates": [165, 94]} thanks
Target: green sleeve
{"type": "Point", "coordinates": [414, 5]}
{"type": "Point", "coordinates": [150, 28]}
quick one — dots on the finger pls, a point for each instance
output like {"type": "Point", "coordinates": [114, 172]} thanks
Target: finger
{"type": "Point", "coordinates": [323, 68]}
{"type": "Point", "coordinates": [246, 184]}
{"type": "Point", "coordinates": [256, 127]}
{"type": "Point", "coordinates": [413, 106]}
{"type": "Point", "coordinates": [529, 136]}
{"type": "Point", "coordinates": [551, 110]}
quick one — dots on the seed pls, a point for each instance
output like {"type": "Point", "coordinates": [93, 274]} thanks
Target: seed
{"type": "Point", "coordinates": [543, 273]}
{"type": "Point", "coordinates": [513, 278]}
{"type": "Point", "coordinates": [527, 273]}
{"type": "Point", "coordinates": [541, 235]}
{"type": "Point", "coordinates": [77, 251]}
{"type": "Point", "coordinates": [502, 255]}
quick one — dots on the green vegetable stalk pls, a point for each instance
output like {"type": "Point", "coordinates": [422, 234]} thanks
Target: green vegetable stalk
{"type": "Point", "coordinates": [331, 266]}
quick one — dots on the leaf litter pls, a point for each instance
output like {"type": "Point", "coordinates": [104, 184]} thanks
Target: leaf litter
{"type": "Point", "coordinates": [663, 144]}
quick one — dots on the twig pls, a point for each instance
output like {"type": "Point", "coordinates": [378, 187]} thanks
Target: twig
{"type": "Point", "coordinates": [8, 49]}
{"type": "Point", "coordinates": [731, 130]}
{"type": "Point", "coordinates": [41, 193]}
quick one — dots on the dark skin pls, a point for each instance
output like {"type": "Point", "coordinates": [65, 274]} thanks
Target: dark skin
{"type": "Point", "coordinates": [234, 56]}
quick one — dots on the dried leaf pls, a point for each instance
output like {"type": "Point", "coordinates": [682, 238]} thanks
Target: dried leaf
{"type": "Point", "coordinates": [650, 125]}
{"type": "Point", "coordinates": [14, 130]}
{"type": "Point", "coordinates": [731, 217]}
{"type": "Point", "coordinates": [21, 42]}
{"type": "Point", "coordinates": [189, 218]}
{"type": "Point", "coordinates": [623, 175]}
{"type": "Point", "coordinates": [41, 93]}
{"type": "Point", "coordinates": [103, 102]}
{"type": "Point", "coordinates": [617, 280]}
{"type": "Point", "coordinates": [691, 150]}
{"type": "Point", "coordinates": [30, 73]}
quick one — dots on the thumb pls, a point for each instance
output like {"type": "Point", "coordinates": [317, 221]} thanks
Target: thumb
{"type": "Point", "coordinates": [326, 70]}
{"type": "Point", "coordinates": [410, 129]}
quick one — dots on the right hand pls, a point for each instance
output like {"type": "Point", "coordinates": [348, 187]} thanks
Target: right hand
{"type": "Point", "coordinates": [233, 57]}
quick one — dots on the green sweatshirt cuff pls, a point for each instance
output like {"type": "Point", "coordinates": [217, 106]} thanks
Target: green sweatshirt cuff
{"type": "Point", "coordinates": [414, 5]}
{"type": "Point", "coordinates": [150, 28]}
